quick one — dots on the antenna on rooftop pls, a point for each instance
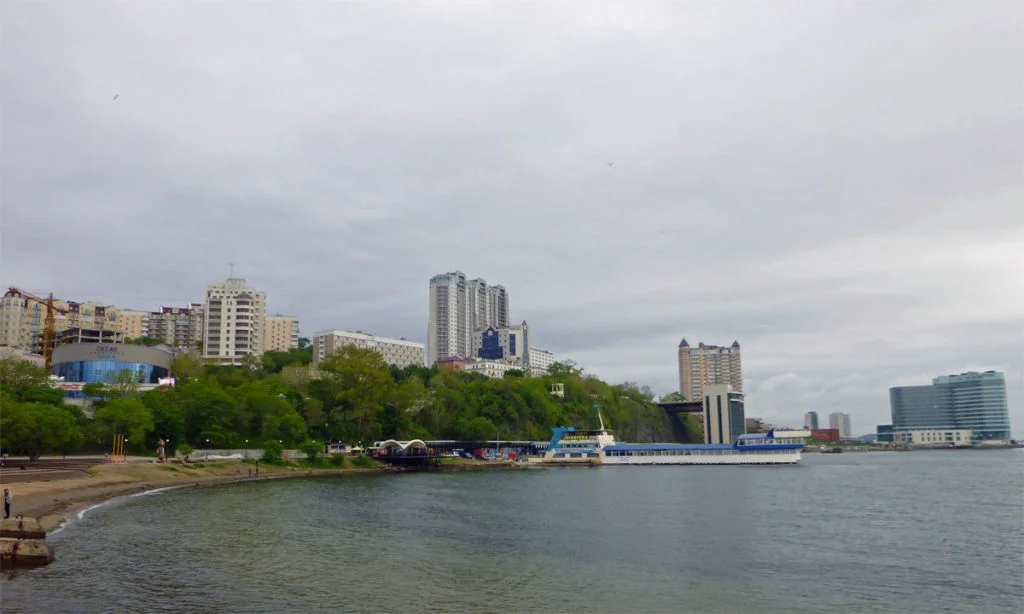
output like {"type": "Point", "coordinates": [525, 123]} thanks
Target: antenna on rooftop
{"type": "Point", "coordinates": [231, 275]}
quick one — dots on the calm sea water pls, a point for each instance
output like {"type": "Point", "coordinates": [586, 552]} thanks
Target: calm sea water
{"type": "Point", "coordinates": [875, 532]}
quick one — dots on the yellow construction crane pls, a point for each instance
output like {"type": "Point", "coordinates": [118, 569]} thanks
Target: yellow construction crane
{"type": "Point", "coordinates": [49, 323]}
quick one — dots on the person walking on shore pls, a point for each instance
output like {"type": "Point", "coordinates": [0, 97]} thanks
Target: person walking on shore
{"type": "Point", "coordinates": [7, 502]}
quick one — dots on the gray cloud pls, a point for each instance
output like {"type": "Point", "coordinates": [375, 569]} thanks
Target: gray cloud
{"type": "Point", "coordinates": [835, 185]}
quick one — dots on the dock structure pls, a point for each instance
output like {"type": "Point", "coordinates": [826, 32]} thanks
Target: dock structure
{"type": "Point", "coordinates": [420, 454]}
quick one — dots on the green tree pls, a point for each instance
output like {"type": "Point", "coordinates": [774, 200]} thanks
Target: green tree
{"type": "Point", "coordinates": [144, 340]}
{"type": "Point", "coordinates": [168, 419]}
{"type": "Point", "coordinates": [209, 412]}
{"type": "Point", "coordinates": [356, 384]}
{"type": "Point", "coordinates": [565, 368]}
{"type": "Point", "coordinates": [25, 381]}
{"type": "Point", "coordinates": [186, 367]}
{"type": "Point", "coordinates": [17, 374]}
{"type": "Point", "coordinates": [34, 428]}
{"type": "Point", "coordinates": [312, 449]}
{"type": "Point", "coordinates": [272, 452]}
{"type": "Point", "coordinates": [128, 416]}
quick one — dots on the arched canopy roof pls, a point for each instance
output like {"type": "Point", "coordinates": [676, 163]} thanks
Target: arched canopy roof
{"type": "Point", "coordinates": [416, 445]}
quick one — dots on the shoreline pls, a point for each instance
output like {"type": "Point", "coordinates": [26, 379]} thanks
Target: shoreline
{"type": "Point", "coordinates": [53, 502]}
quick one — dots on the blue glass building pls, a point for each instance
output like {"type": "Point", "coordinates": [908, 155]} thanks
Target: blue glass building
{"type": "Point", "coordinates": [104, 363]}
{"type": "Point", "coordinates": [973, 400]}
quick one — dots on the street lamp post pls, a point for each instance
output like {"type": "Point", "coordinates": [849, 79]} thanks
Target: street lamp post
{"type": "Point", "coordinates": [206, 452]}
{"type": "Point", "coordinates": [246, 448]}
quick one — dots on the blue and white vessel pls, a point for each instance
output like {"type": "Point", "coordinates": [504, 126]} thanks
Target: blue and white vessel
{"type": "Point", "coordinates": [751, 449]}
{"type": "Point", "coordinates": [571, 445]}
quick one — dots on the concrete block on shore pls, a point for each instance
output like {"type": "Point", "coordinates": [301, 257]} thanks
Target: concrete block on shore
{"type": "Point", "coordinates": [24, 553]}
{"type": "Point", "coordinates": [21, 528]}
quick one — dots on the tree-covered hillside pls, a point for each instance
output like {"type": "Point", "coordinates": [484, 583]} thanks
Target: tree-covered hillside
{"type": "Point", "coordinates": [354, 397]}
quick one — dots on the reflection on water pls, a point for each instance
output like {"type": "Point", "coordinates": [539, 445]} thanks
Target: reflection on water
{"type": "Point", "coordinates": [925, 532]}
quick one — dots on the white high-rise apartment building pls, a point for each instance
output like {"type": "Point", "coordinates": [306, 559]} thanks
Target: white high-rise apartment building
{"type": "Point", "coordinates": [841, 421]}
{"type": "Point", "coordinates": [233, 321]}
{"type": "Point", "coordinates": [540, 359]}
{"type": "Point", "coordinates": [458, 307]}
{"type": "Point", "coordinates": [477, 304]}
{"type": "Point", "coordinates": [448, 327]}
{"type": "Point", "coordinates": [497, 307]}
{"type": "Point", "coordinates": [707, 365]}
{"type": "Point", "coordinates": [399, 352]}
{"type": "Point", "coordinates": [280, 333]}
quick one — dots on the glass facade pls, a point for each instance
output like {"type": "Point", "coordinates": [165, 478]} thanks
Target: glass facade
{"type": "Point", "coordinates": [107, 371]}
{"type": "Point", "coordinates": [737, 418]}
{"type": "Point", "coordinates": [490, 345]}
{"type": "Point", "coordinates": [914, 407]}
{"type": "Point", "coordinates": [975, 401]}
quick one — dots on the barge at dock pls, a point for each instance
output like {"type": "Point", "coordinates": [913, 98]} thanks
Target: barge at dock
{"type": "Point", "coordinates": [751, 449]}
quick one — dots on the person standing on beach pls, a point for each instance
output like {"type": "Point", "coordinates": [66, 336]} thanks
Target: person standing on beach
{"type": "Point", "coordinates": [7, 502]}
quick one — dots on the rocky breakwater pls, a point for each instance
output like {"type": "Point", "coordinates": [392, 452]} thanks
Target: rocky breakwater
{"type": "Point", "coordinates": [23, 543]}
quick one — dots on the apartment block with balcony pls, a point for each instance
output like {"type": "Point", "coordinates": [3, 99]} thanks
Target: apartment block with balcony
{"type": "Point", "coordinates": [233, 318]}
{"type": "Point", "coordinates": [399, 352]}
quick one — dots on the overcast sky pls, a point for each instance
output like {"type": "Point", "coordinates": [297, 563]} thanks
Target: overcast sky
{"type": "Point", "coordinates": [836, 185]}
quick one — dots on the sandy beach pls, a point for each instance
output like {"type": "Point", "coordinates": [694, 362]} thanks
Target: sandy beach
{"type": "Point", "coordinates": [51, 500]}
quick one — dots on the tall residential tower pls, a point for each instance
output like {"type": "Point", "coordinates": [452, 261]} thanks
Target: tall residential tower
{"type": "Point", "coordinates": [457, 308]}
{"type": "Point", "coordinates": [707, 365]}
{"type": "Point", "coordinates": [233, 319]}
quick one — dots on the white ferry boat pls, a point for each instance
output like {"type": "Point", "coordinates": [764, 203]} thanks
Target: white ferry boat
{"type": "Point", "coordinates": [752, 449]}
{"type": "Point", "coordinates": [571, 445]}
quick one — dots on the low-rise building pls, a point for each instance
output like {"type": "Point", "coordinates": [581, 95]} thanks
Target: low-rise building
{"type": "Point", "coordinates": [793, 433]}
{"type": "Point", "coordinates": [934, 437]}
{"type": "Point", "coordinates": [78, 364]}
{"type": "Point", "coordinates": [883, 433]}
{"type": "Point", "coordinates": [825, 434]}
{"type": "Point", "coordinates": [451, 364]}
{"type": "Point", "coordinates": [494, 369]}
{"type": "Point", "coordinates": [399, 352]}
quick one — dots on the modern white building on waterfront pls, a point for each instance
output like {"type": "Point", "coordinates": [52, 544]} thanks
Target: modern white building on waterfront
{"type": "Point", "coordinates": [457, 307]}
{"type": "Point", "coordinates": [841, 421]}
{"type": "Point", "coordinates": [934, 437]}
{"type": "Point", "coordinates": [707, 365]}
{"type": "Point", "coordinates": [724, 417]}
{"type": "Point", "coordinates": [399, 352]}
{"type": "Point", "coordinates": [233, 315]}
